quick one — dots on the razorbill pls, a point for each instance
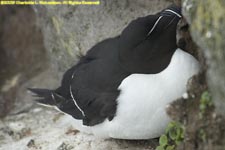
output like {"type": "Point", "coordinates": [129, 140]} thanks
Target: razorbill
{"type": "Point", "coordinates": [121, 87]}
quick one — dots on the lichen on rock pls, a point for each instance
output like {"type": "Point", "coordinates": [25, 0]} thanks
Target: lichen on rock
{"type": "Point", "coordinates": [207, 19]}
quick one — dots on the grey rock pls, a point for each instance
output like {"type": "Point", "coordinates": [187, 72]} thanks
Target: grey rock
{"type": "Point", "coordinates": [207, 19]}
{"type": "Point", "coordinates": [70, 31]}
{"type": "Point", "coordinates": [22, 54]}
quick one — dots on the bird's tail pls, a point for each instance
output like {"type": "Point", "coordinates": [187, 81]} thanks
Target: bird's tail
{"type": "Point", "coordinates": [46, 97]}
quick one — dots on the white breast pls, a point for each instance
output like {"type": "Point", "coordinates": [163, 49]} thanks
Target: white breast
{"type": "Point", "coordinates": [143, 99]}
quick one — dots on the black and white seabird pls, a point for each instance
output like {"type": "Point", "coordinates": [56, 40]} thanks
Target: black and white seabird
{"type": "Point", "coordinates": [121, 87]}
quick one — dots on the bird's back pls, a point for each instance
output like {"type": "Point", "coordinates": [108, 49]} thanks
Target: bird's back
{"type": "Point", "coordinates": [120, 88]}
{"type": "Point", "coordinates": [94, 82]}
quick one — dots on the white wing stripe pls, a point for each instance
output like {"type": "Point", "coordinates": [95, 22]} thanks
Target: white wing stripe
{"type": "Point", "coordinates": [71, 93]}
{"type": "Point", "coordinates": [173, 12]}
{"type": "Point", "coordinates": [154, 25]}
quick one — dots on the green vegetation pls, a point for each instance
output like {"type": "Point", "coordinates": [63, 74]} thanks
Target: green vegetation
{"type": "Point", "coordinates": [205, 102]}
{"type": "Point", "coordinates": [202, 135]}
{"type": "Point", "coordinates": [173, 136]}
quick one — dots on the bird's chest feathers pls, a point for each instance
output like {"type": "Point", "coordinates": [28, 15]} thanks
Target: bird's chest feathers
{"type": "Point", "coordinates": [144, 94]}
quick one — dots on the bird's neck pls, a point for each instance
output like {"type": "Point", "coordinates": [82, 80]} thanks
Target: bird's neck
{"type": "Point", "coordinates": [148, 57]}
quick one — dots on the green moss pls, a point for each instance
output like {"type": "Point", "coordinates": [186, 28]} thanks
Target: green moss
{"type": "Point", "coordinates": [205, 102]}
{"type": "Point", "coordinates": [202, 135]}
{"type": "Point", "coordinates": [173, 136]}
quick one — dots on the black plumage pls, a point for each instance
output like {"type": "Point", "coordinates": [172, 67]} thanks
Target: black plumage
{"type": "Point", "coordinates": [90, 88]}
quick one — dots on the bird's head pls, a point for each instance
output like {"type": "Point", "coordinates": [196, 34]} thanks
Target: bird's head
{"type": "Point", "coordinates": [147, 43]}
{"type": "Point", "coordinates": [151, 27]}
{"type": "Point", "coordinates": [165, 23]}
